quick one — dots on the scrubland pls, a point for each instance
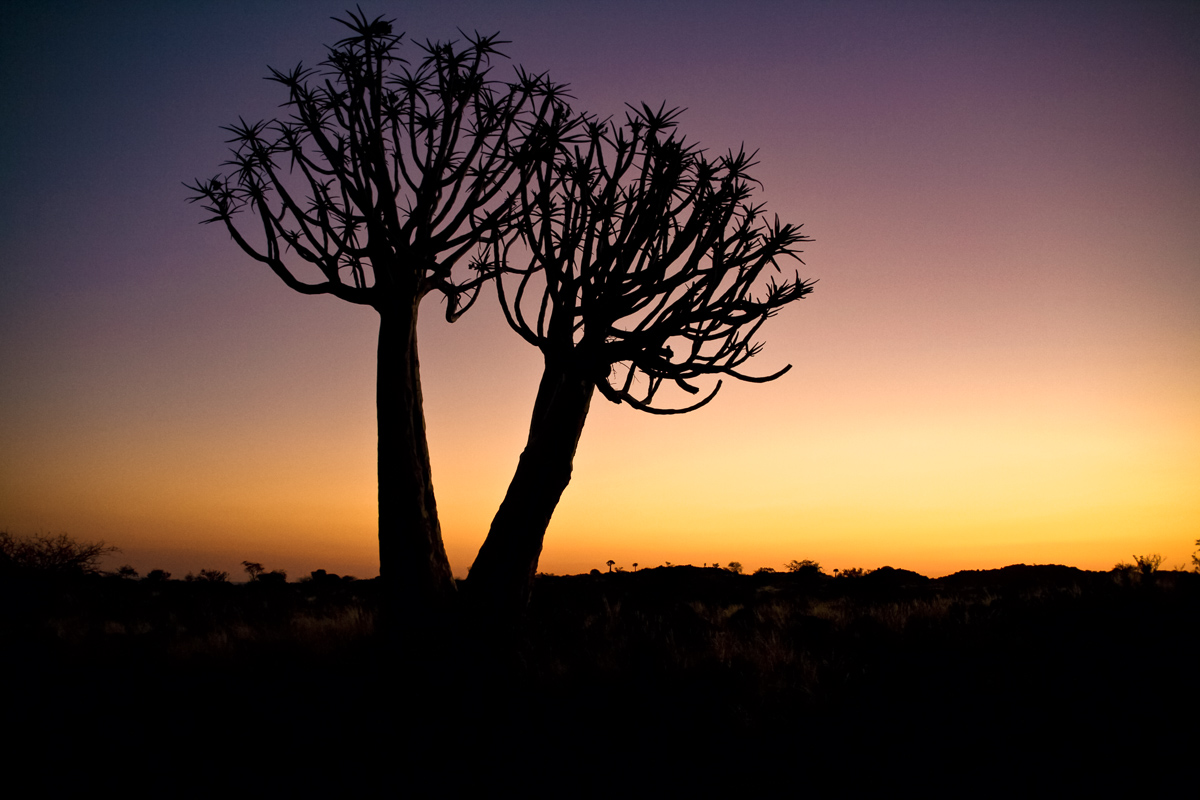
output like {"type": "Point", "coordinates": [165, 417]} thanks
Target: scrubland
{"type": "Point", "coordinates": [665, 679]}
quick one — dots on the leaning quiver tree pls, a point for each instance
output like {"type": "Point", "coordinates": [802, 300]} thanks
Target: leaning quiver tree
{"type": "Point", "coordinates": [380, 188]}
{"type": "Point", "coordinates": [648, 266]}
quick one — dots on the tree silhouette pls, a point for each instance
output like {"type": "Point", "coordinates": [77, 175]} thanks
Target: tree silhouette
{"type": "Point", "coordinates": [51, 555]}
{"type": "Point", "coordinates": [379, 189]}
{"type": "Point", "coordinates": [647, 266]}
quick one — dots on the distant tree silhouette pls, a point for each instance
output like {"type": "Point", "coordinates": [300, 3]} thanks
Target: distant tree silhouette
{"type": "Point", "coordinates": [648, 266]}
{"type": "Point", "coordinates": [253, 569]}
{"type": "Point", "coordinates": [1196, 558]}
{"type": "Point", "coordinates": [208, 576]}
{"type": "Point", "coordinates": [57, 555]}
{"type": "Point", "coordinates": [1149, 563]}
{"type": "Point", "coordinates": [384, 182]}
{"type": "Point", "coordinates": [274, 577]}
{"type": "Point", "coordinates": [1142, 565]}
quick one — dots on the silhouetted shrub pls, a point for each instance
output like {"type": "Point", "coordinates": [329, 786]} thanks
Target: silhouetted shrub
{"type": "Point", "coordinates": [59, 554]}
{"type": "Point", "coordinates": [1014, 576]}
{"type": "Point", "coordinates": [208, 576]}
{"type": "Point", "coordinates": [322, 578]}
{"type": "Point", "coordinates": [1148, 564]}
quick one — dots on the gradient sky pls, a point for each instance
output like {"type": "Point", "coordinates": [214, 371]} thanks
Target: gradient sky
{"type": "Point", "coordinates": [1000, 363]}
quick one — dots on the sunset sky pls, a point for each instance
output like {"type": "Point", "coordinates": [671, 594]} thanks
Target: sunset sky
{"type": "Point", "coordinates": [1000, 362]}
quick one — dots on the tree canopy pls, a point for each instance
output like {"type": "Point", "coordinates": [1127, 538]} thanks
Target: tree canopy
{"type": "Point", "coordinates": [386, 175]}
{"type": "Point", "coordinates": [647, 262]}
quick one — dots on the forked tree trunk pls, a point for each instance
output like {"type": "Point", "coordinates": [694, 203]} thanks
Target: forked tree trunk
{"type": "Point", "coordinates": [413, 566]}
{"type": "Point", "coordinates": [501, 578]}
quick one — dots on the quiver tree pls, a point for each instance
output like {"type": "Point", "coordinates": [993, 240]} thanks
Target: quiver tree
{"type": "Point", "coordinates": [647, 267]}
{"type": "Point", "coordinates": [380, 188]}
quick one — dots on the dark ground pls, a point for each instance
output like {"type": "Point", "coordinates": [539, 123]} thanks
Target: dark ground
{"type": "Point", "coordinates": [681, 680]}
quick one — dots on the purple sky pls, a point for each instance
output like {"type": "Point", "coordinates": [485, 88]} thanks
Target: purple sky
{"type": "Point", "coordinates": [1001, 361]}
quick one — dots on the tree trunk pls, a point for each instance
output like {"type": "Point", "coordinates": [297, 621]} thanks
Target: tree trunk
{"type": "Point", "coordinates": [413, 566]}
{"type": "Point", "coordinates": [502, 576]}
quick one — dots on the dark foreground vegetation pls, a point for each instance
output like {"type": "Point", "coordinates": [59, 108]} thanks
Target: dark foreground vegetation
{"type": "Point", "coordinates": [1042, 677]}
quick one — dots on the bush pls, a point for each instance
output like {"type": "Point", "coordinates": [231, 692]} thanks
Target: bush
{"type": "Point", "coordinates": [806, 566]}
{"type": "Point", "coordinates": [59, 555]}
{"type": "Point", "coordinates": [1148, 564]}
{"type": "Point", "coordinates": [208, 576]}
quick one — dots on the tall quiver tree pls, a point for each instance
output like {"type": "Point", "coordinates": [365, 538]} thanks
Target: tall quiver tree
{"type": "Point", "coordinates": [647, 266]}
{"type": "Point", "coordinates": [381, 187]}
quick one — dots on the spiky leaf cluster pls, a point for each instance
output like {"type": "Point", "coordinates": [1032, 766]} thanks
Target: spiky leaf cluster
{"type": "Point", "coordinates": [386, 174]}
{"type": "Point", "coordinates": [647, 262]}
